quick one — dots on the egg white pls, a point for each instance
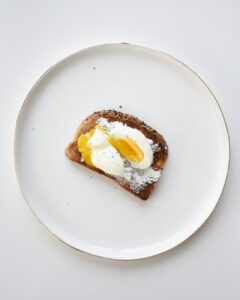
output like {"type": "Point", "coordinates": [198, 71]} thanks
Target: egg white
{"type": "Point", "coordinates": [104, 156]}
{"type": "Point", "coordinates": [108, 160]}
{"type": "Point", "coordinates": [138, 138]}
{"type": "Point", "coordinates": [99, 139]}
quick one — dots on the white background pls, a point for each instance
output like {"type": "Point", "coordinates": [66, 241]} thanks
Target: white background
{"type": "Point", "coordinates": [35, 35]}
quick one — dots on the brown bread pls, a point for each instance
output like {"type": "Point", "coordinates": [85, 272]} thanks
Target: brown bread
{"type": "Point", "coordinates": [89, 123]}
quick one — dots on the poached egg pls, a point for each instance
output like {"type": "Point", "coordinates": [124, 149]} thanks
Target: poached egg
{"type": "Point", "coordinates": [111, 144]}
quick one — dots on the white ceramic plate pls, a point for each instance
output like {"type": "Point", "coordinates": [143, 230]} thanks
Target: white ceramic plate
{"type": "Point", "coordinates": [88, 211]}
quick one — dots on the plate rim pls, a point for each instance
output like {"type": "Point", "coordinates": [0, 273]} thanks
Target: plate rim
{"type": "Point", "coordinates": [157, 51]}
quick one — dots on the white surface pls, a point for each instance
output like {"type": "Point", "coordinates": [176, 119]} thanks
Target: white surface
{"type": "Point", "coordinates": [90, 212]}
{"type": "Point", "coordinates": [34, 35]}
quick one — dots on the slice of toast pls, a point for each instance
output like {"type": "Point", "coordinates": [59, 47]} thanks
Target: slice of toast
{"type": "Point", "coordinates": [159, 156]}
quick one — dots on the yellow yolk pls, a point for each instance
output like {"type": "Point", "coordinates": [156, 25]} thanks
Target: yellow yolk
{"type": "Point", "coordinates": [84, 148]}
{"type": "Point", "coordinates": [127, 148]}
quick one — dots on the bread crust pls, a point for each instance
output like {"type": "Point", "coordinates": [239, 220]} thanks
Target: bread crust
{"type": "Point", "coordinates": [159, 157]}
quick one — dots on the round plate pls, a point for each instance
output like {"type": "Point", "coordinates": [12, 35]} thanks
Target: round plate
{"type": "Point", "coordinates": [90, 212]}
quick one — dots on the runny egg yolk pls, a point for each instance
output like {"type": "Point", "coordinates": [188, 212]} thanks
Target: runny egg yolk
{"type": "Point", "coordinates": [127, 148]}
{"type": "Point", "coordinates": [84, 148]}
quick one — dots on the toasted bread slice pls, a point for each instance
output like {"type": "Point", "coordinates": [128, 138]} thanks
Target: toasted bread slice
{"type": "Point", "coordinates": [159, 157]}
